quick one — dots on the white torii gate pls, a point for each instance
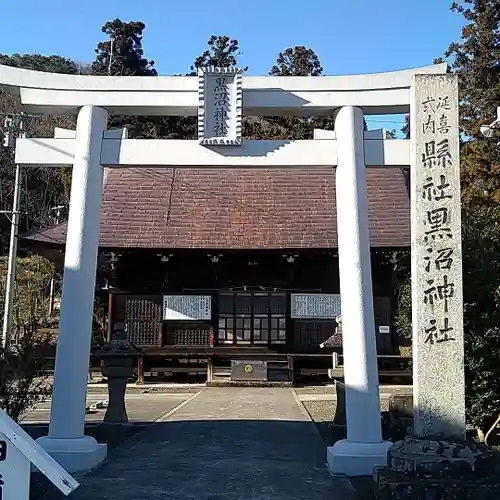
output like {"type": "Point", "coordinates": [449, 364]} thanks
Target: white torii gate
{"type": "Point", "coordinates": [92, 147]}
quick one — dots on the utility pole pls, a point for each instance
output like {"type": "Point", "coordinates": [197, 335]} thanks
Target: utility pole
{"type": "Point", "coordinates": [58, 210]}
{"type": "Point", "coordinates": [14, 129]}
{"type": "Point", "coordinates": [110, 56]}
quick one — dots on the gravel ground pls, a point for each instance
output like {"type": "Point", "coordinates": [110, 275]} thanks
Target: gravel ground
{"type": "Point", "coordinates": [330, 389]}
{"type": "Point", "coordinates": [315, 389]}
{"type": "Point", "coordinates": [151, 389]}
{"type": "Point", "coordinates": [322, 413]}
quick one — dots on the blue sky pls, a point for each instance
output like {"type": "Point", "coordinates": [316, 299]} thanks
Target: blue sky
{"type": "Point", "coordinates": [349, 36]}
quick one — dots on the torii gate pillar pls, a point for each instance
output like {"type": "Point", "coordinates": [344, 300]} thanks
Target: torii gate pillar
{"type": "Point", "coordinates": [363, 449]}
{"type": "Point", "coordinates": [66, 441]}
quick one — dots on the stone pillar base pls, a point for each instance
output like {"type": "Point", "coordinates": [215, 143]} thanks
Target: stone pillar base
{"type": "Point", "coordinates": [77, 456]}
{"type": "Point", "coordinates": [356, 459]}
{"type": "Point", "coordinates": [434, 468]}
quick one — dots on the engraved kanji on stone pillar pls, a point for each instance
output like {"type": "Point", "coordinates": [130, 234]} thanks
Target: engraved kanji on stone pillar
{"type": "Point", "coordinates": [437, 299]}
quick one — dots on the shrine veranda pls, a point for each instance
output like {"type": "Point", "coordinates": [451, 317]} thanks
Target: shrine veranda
{"type": "Point", "coordinates": [220, 97]}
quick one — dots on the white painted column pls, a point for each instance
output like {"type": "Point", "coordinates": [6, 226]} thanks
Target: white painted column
{"type": "Point", "coordinates": [363, 449]}
{"type": "Point", "coordinates": [66, 441]}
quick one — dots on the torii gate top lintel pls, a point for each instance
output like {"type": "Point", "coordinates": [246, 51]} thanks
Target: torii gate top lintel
{"type": "Point", "coordinates": [377, 93]}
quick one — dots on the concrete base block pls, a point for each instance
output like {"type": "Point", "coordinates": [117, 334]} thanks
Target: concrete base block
{"type": "Point", "coordinates": [77, 456]}
{"type": "Point", "coordinates": [356, 459]}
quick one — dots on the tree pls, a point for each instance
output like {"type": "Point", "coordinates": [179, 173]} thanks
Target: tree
{"type": "Point", "coordinates": [406, 127]}
{"type": "Point", "coordinates": [294, 61]}
{"type": "Point", "coordinates": [37, 62]}
{"type": "Point", "coordinates": [122, 54]}
{"type": "Point", "coordinates": [481, 272]}
{"type": "Point", "coordinates": [222, 51]}
{"type": "Point", "coordinates": [476, 60]}
{"type": "Point", "coordinates": [297, 61]}
{"type": "Point", "coordinates": [42, 187]}
{"type": "Point", "coordinates": [124, 50]}
{"type": "Point", "coordinates": [22, 383]}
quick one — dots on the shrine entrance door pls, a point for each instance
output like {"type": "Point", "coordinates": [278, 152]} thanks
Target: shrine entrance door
{"type": "Point", "coordinates": [252, 318]}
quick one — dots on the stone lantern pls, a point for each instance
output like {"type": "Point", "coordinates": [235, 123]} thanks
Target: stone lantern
{"type": "Point", "coordinates": [119, 357]}
{"type": "Point", "coordinates": [338, 323]}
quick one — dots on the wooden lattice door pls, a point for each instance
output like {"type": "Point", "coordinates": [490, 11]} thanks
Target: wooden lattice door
{"type": "Point", "coordinates": [252, 318]}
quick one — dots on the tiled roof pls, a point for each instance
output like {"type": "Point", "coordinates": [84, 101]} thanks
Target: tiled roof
{"type": "Point", "coordinates": [239, 209]}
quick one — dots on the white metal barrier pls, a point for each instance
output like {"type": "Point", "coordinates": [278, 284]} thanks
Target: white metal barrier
{"type": "Point", "coordinates": [17, 452]}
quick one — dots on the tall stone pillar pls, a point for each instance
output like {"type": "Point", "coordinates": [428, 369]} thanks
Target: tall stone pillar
{"type": "Point", "coordinates": [436, 254]}
{"type": "Point", "coordinates": [66, 441]}
{"type": "Point", "coordinates": [363, 449]}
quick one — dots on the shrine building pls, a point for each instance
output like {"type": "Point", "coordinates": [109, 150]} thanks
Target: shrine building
{"type": "Point", "coordinates": [210, 265]}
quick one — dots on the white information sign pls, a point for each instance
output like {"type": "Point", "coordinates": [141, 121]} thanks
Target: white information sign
{"type": "Point", "coordinates": [17, 452]}
{"type": "Point", "coordinates": [315, 305]}
{"type": "Point", "coordinates": [187, 307]}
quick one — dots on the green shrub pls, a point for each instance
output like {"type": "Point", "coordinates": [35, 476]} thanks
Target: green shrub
{"type": "Point", "coordinates": [22, 381]}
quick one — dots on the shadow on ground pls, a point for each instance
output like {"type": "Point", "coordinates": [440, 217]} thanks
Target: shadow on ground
{"type": "Point", "coordinates": [212, 459]}
{"type": "Point", "coordinates": [113, 435]}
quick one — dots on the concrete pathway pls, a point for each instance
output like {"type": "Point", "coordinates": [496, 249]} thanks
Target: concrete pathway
{"type": "Point", "coordinates": [224, 444]}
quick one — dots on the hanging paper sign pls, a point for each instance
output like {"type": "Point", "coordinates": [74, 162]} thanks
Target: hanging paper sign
{"type": "Point", "coordinates": [315, 305]}
{"type": "Point", "coordinates": [187, 307]}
